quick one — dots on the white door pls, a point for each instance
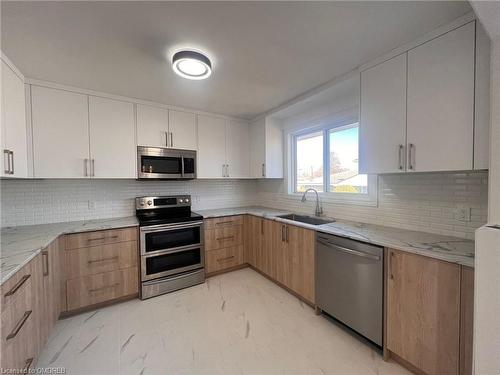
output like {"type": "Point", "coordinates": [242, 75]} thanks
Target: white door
{"type": "Point", "coordinates": [152, 126]}
{"type": "Point", "coordinates": [211, 147]}
{"type": "Point", "coordinates": [237, 149]}
{"type": "Point", "coordinates": [60, 133]}
{"type": "Point", "coordinates": [14, 142]}
{"type": "Point", "coordinates": [182, 127]}
{"type": "Point", "coordinates": [382, 134]}
{"type": "Point", "coordinates": [441, 102]}
{"type": "Point", "coordinates": [258, 149]}
{"type": "Point", "coordinates": [112, 138]}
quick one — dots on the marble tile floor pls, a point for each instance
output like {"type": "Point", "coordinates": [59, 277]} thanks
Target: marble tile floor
{"type": "Point", "coordinates": [235, 323]}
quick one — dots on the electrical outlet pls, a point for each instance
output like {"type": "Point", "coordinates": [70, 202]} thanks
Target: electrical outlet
{"type": "Point", "coordinates": [462, 213]}
{"type": "Point", "coordinates": [91, 205]}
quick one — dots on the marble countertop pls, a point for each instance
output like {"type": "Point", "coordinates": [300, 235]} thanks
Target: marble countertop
{"type": "Point", "coordinates": [21, 244]}
{"type": "Point", "coordinates": [451, 249]}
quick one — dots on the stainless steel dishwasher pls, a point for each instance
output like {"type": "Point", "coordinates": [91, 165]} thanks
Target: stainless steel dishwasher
{"type": "Point", "coordinates": [349, 283]}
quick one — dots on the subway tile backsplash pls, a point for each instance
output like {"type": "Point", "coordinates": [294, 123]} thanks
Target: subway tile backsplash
{"type": "Point", "coordinates": [424, 202]}
{"type": "Point", "coordinates": [27, 202]}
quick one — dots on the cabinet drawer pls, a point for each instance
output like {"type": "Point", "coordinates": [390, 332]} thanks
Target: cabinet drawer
{"type": "Point", "coordinates": [19, 351]}
{"type": "Point", "coordinates": [15, 316]}
{"type": "Point", "coordinates": [223, 221]}
{"type": "Point", "coordinates": [89, 290]}
{"type": "Point", "coordinates": [102, 237]}
{"type": "Point", "coordinates": [218, 260]}
{"type": "Point", "coordinates": [16, 285]}
{"type": "Point", "coordinates": [219, 238]}
{"type": "Point", "coordinates": [99, 259]}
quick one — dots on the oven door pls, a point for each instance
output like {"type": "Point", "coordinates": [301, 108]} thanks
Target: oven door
{"type": "Point", "coordinates": [171, 262]}
{"type": "Point", "coordinates": [156, 239]}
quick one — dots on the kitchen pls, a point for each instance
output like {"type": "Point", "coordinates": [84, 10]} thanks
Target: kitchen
{"type": "Point", "coordinates": [177, 198]}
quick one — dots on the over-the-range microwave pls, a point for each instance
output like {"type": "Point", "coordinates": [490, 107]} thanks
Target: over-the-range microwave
{"type": "Point", "coordinates": [165, 163]}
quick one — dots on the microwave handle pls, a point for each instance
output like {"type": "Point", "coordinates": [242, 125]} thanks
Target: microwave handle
{"type": "Point", "coordinates": [182, 166]}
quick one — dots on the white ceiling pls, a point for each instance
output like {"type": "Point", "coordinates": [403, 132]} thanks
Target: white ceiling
{"type": "Point", "coordinates": [264, 53]}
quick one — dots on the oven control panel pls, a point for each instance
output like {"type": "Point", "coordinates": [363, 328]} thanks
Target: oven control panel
{"type": "Point", "coordinates": [142, 203]}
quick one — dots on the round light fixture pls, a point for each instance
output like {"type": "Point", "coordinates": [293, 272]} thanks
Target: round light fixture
{"type": "Point", "coordinates": [191, 64]}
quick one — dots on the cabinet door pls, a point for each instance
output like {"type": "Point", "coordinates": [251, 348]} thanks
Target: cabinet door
{"type": "Point", "coordinates": [299, 261]}
{"type": "Point", "coordinates": [257, 149]}
{"type": "Point", "coordinates": [423, 312]}
{"type": "Point", "coordinates": [441, 103]}
{"type": "Point", "coordinates": [13, 124]}
{"type": "Point", "coordinates": [152, 126]}
{"type": "Point", "coordinates": [466, 320]}
{"type": "Point", "coordinates": [382, 131]}
{"type": "Point", "coordinates": [60, 133]}
{"type": "Point", "coordinates": [254, 228]}
{"type": "Point", "coordinates": [238, 151]}
{"type": "Point", "coordinates": [112, 138]}
{"type": "Point", "coordinates": [211, 147]}
{"type": "Point", "coordinates": [182, 127]}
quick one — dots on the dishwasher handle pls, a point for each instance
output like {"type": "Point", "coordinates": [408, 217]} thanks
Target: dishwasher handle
{"type": "Point", "coordinates": [346, 250]}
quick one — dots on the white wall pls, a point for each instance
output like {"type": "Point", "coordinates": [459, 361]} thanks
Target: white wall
{"type": "Point", "coordinates": [27, 202]}
{"type": "Point", "coordinates": [494, 203]}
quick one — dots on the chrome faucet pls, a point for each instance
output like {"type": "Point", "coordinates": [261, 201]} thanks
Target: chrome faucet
{"type": "Point", "coordinates": [319, 209]}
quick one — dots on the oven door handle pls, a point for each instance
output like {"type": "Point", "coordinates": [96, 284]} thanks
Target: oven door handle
{"type": "Point", "coordinates": [163, 227]}
{"type": "Point", "coordinates": [172, 250]}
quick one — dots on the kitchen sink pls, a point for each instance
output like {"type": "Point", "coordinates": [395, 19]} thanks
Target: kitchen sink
{"type": "Point", "coordinates": [306, 219]}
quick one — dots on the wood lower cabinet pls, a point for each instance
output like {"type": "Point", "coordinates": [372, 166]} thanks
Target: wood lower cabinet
{"type": "Point", "coordinates": [91, 290]}
{"type": "Point", "coordinates": [101, 266]}
{"type": "Point", "coordinates": [423, 312]}
{"type": "Point", "coordinates": [223, 243]}
{"type": "Point", "coordinates": [466, 319]}
{"type": "Point", "coordinates": [283, 252]}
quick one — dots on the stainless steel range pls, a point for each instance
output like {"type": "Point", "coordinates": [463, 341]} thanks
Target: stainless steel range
{"type": "Point", "coordinates": [171, 244]}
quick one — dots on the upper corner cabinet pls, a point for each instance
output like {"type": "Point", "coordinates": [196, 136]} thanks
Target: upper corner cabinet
{"type": "Point", "coordinates": [266, 149]}
{"type": "Point", "coordinates": [417, 110]}
{"type": "Point", "coordinates": [160, 127]}
{"type": "Point", "coordinates": [13, 124]}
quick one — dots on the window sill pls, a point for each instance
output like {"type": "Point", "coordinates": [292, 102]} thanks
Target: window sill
{"type": "Point", "coordinates": [339, 198]}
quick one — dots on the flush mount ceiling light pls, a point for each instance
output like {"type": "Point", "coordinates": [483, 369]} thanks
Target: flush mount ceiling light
{"type": "Point", "coordinates": [191, 64]}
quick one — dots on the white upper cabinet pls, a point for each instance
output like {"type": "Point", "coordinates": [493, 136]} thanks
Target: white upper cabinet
{"type": "Point", "coordinates": [266, 149]}
{"type": "Point", "coordinates": [441, 102]}
{"type": "Point", "coordinates": [159, 127]}
{"type": "Point", "coordinates": [211, 147]}
{"type": "Point", "coordinates": [237, 150]}
{"type": "Point", "coordinates": [112, 138]}
{"type": "Point", "coordinates": [429, 103]}
{"type": "Point", "coordinates": [382, 135]}
{"type": "Point", "coordinates": [152, 126]}
{"type": "Point", "coordinates": [60, 133]}
{"type": "Point", "coordinates": [13, 124]}
{"type": "Point", "coordinates": [182, 127]}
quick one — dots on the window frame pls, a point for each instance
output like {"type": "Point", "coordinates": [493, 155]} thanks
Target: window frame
{"type": "Point", "coordinates": [369, 199]}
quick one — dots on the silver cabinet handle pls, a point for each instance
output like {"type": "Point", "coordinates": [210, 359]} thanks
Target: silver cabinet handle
{"type": "Point", "coordinates": [401, 148]}
{"type": "Point", "coordinates": [7, 168]}
{"type": "Point", "coordinates": [411, 146]}
{"type": "Point", "coordinates": [92, 167]}
{"type": "Point", "coordinates": [45, 263]}
{"type": "Point", "coordinates": [223, 170]}
{"type": "Point", "coordinates": [85, 167]}
{"type": "Point", "coordinates": [263, 170]}
{"type": "Point", "coordinates": [11, 153]}
{"type": "Point", "coordinates": [282, 233]}
{"type": "Point", "coordinates": [227, 170]}
{"type": "Point", "coordinates": [171, 139]}
{"type": "Point", "coordinates": [167, 141]}
{"type": "Point", "coordinates": [287, 233]}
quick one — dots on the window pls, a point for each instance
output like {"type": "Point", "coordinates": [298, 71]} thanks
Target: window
{"type": "Point", "coordinates": [327, 160]}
